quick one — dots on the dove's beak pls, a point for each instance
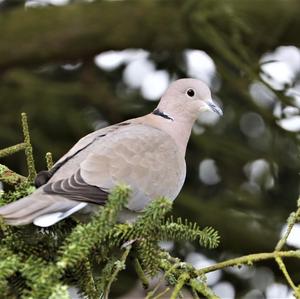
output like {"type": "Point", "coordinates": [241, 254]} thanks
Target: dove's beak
{"type": "Point", "coordinates": [214, 107]}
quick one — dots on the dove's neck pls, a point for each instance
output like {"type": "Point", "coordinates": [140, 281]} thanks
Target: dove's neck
{"type": "Point", "coordinates": [179, 129]}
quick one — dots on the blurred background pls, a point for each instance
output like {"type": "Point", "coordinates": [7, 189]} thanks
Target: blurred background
{"type": "Point", "coordinates": [77, 66]}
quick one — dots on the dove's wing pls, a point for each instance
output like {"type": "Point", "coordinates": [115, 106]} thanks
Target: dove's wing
{"type": "Point", "coordinates": [139, 155]}
{"type": "Point", "coordinates": [84, 143]}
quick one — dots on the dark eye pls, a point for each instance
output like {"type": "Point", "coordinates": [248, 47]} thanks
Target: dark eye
{"type": "Point", "coordinates": [190, 92]}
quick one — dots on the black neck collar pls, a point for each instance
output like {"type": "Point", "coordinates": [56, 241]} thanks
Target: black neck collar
{"type": "Point", "coordinates": [162, 114]}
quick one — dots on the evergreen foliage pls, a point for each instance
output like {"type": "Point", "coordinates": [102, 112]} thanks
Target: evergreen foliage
{"type": "Point", "coordinates": [43, 262]}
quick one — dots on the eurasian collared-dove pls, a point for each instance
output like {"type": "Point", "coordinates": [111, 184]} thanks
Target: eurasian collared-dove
{"type": "Point", "coordinates": [147, 153]}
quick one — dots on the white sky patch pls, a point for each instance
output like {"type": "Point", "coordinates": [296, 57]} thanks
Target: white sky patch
{"type": "Point", "coordinates": [278, 74]}
{"type": "Point", "coordinates": [74, 293]}
{"type": "Point", "coordinates": [289, 111]}
{"type": "Point", "coordinates": [201, 261]}
{"type": "Point", "coordinates": [208, 118]}
{"type": "Point", "coordinates": [166, 245]}
{"type": "Point", "coordinates": [208, 172]}
{"type": "Point", "coordinates": [294, 237]}
{"type": "Point", "coordinates": [290, 55]}
{"type": "Point", "coordinates": [262, 95]}
{"type": "Point", "coordinates": [291, 124]}
{"type": "Point", "coordinates": [198, 129]}
{"type": "Point", "coordinates": [291, 118]}
{"type": "Point", "coordinates": [33, 3]}
{"type": "Point", "coordinates": [200, 65]}
{"type": "Point", "coordinates": [110, 60]}
{"type": "Point", "coordinates": [259, 172]}
{"type": "Point", "coordinates": [58, 2]}
{"type": "Point", "coordinates": [280, 67]}
{"type": "Point", "coordinates": [155, 84]}
{"type": "Point", "coordinates": [136, 71]}
{"type": "Point", "coordinates": [224, 289]}
{"type": "Point", "coordinates": [278, 290]}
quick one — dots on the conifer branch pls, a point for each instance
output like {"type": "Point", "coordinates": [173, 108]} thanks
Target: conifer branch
{"type": "Point", "coordinates": [179, 230]}
{"type": "Point", "coordinates": [292, 219]}
{"type": "Point", "coordinates": [9, 264]}
{"type": "Point", "coordinates": [287, 276]}
{"type": "Point", "coordinates": [28, 149]}
{"type": "Point", "coordinates": [164, 292]}
{"type": "Point", "coordinates": [181, 282]}
{"type": "Point", "coordinates": [45, 278]}
{"type": "Point", "coordinates": [141, 274]}
{"type": "Point", "coordinates": [10, 177]}
{"type": "Point", "coordinates": [12, 149]}
{"type": "Point", "coordinates": [202, 289]}
{"type": "Point", "coordinates": [249, 260]}
{"type": "Point", "coordinates": [176, 270]}
{"type": "Point", "coordinates": [49, 160]}
{"type": "Point", "coordinates": [168, 269]}
{"type": "Point", "coordinates": [145, 231]}
{"type": "Point", "coordinates": [85, 237]}
{"type": "Point", "coordinates": [87, 282]}
{"type": "Point", "coordinates": [60, 292]}
{"type": "Point", "coordinates": [119, 265]}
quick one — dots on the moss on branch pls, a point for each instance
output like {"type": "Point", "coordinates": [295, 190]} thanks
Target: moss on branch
{"type": "Point", "coordinates": [10, 177]}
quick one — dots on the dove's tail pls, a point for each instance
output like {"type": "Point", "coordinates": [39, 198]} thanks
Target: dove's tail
{"type": "Point", "coordinates": [42, 212]}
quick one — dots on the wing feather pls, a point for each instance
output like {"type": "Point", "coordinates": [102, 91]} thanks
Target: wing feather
{"type": "Point", "coordinates": [75, 188]}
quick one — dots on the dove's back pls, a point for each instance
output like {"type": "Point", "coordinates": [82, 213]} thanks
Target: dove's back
{"type": "Point", "coordinates": [144, 157]}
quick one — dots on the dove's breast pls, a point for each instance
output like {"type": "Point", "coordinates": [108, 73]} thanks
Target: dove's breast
{"type": "Point", "coordinates": [153, 167]}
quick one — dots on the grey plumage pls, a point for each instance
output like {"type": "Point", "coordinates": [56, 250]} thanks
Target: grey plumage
{"type": "Point", "coordinates": [147, 153]}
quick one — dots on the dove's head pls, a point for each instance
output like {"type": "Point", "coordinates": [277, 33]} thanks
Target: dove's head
{"type": "Point", "coordinates": [186, 98]}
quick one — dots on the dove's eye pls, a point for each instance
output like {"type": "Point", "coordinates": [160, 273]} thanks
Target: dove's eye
{"type": "Point", "coordinates": [190, 92]}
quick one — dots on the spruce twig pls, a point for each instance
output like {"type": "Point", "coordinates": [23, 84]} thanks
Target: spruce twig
{"type": "Point", "coordinates": [181, 282]}
{"type": "Point", "coordinates": [95, 231]}
{"type": "Point", "coordinates": [28, 149]}
{"type": "Point", "coordinates": [287, 276]}
{"type": "Point", "coordinates": [202, 288]}
{"type": "Point", "coordinates": [141, 274]}
{"type": "Point", "coordinates": [167, 271]}
{"type": "Point", "coordinates": [87, 283]}
{"type": "Point", "coordinates": [10, 177]}
{"type": "Point", "coordinates": [249, 259]}
{"type": "Point", "coordinates": [164, 292]}
{"type": "Point", "coordinates": [49, 160]}
{"type": "Point", "coordinates": [185, 230]}
{"type": "Point", "coordinates": [12, 150]}
{"type": "Point", "coordinates": [119, 266]}
{"type": "Point", "coordinates": [291, 222]}
{"type": "Point", "coordinates": [79, 243]}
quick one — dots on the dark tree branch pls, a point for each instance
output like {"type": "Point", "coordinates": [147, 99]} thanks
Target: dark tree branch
{"type": "Point", "coordinates": [36, 36]}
